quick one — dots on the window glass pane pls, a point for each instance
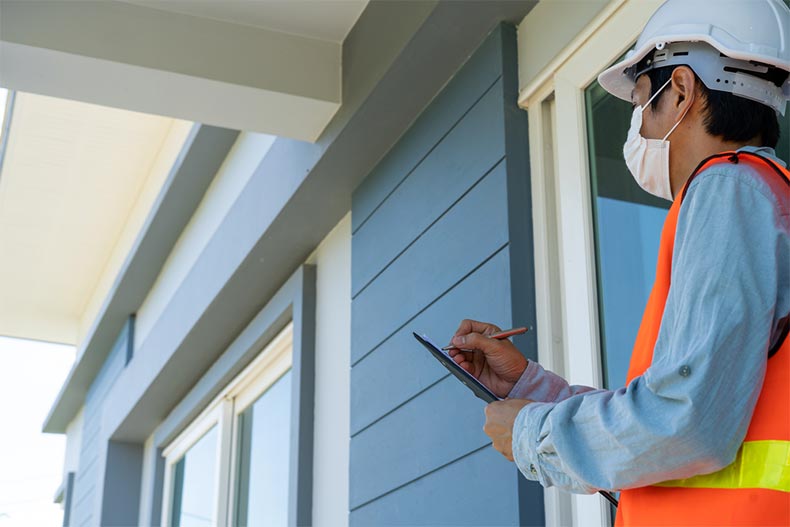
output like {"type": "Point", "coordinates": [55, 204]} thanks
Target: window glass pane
{"type": "Point", "coordinates": [193, 484]}
{"type": "Point", "coordinates": [264, 456]}
{"type": "Point", "coordinates": [628, 224]}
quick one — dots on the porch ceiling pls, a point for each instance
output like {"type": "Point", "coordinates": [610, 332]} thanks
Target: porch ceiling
{"type": "Point", "coordinates": [71, 177]}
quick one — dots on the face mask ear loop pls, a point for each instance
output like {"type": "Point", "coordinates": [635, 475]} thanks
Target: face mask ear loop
{"type": "Point", "coordinates": [681, 119]}
{"type": "Point", "coordinates": [656, 94]}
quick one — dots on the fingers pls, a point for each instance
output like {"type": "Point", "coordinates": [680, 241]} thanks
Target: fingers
{"type": "Point", "coordinates": [476, 341]}
{"type": "Point", "coordinates": [464, 360]}
{"type": "Point", "coordinates": [473, 326]}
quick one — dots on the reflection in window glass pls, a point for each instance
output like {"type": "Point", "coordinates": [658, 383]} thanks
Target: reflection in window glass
{"type": "Point", "coordinates": [628, 224]}
{"type": "Point", "coordinates": [193, 488]}
{"type": "Point", "coordinates": [264, 454]}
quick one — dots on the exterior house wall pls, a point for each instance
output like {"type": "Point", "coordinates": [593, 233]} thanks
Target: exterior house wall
{"type": "Point", "coordinates": [457, 177]}
{"type": "Point", "coordinates": [90, 475]}
{"type": "Point", "coordinates": [441, 232]}
{"type": "Point", "coordinates": [234, 173]}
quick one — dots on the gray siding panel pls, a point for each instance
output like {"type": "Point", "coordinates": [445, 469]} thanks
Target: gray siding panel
{"type": "Point", "coordinates": [413, 440]}
{"type": "Point", "coordinates": [458, 161]}
{"type": "Point", "coordinates": [94, 448]}
{"type": "Point", "coordinates": [479, 73]}
{"type": "Point", "coordinates": [432, 264]}
{"type": "Point", "coordinates": [441, 232]}
{"type": "Point", "coordinates": [453, 495]}
{"type": "Point", "coordinates": [414, 370]}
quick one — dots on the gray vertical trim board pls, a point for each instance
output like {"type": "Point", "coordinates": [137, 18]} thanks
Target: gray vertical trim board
{"type": "Point", "coordinates": [69, 495]}
{"type": "Point", "coordinates": [155, 518]}
{"type": "Point", "coordinates": [522, 260]}
{"type": "Point", "coordinates": [122, 480]}
{"type": "Point", "coordinates": [130, 338]}
{"type": "Point", "coordinates": [300, 495]}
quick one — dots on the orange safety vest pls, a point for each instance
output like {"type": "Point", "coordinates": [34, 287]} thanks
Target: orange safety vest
{"type": "Point", "coordinates": [755, 488]}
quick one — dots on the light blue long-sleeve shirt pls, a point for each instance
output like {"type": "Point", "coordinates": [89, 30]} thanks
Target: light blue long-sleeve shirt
{"type": "Point", "coordinates": [689, 412]}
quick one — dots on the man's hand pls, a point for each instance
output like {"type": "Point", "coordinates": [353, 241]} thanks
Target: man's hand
{"type": "Point", "coordinates": [500, 416]}
{"type": "Point", "coordinates": [498, 364]}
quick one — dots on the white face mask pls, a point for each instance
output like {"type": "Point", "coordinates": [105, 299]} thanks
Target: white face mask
{"type": "Point", "coordinates": [648, 159]}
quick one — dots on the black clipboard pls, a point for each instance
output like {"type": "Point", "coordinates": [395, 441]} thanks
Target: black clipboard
{"type": "Point", "coordinates": [478, 388]}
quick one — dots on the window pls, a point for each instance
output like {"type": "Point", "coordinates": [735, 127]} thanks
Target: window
{"type": "Point", "coordinates": [263, 454]}
{"type": "Point", "coordinates": [587, 212]}
{"type": "Point", "coordinates": [238, 447]}
{"type": "Point", "coordinates": [193, 476]}
{"type": "Point", "coordinates": [627, 225]}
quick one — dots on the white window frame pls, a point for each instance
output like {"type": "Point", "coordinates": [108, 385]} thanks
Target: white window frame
{"type": "Point", "coordinates": [565, 263]}
{"type": "Point", "coordinates": [270, 364]}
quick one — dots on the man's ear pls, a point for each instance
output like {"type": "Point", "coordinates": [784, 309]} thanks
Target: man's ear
{"type": "Point", "coordinates": [684, 83]}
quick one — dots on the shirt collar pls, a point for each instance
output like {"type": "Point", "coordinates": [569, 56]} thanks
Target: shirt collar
{"type": "Point", "coordinates": [764, 151]}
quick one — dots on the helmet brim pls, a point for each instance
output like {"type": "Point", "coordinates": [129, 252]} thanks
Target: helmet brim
{"type": "Point", "coordinates": [615, 80]}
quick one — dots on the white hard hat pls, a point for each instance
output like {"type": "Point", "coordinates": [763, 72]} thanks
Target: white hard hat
{"type": "Point", "coordinates": [748, 37]}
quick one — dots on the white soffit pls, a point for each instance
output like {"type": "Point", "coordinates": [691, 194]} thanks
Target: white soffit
{"type": "Point", "coordinates": [71, 176]}
{"type": "Point", "coordinates": [329, 20]}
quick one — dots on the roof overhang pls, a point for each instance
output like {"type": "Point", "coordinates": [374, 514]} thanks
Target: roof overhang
{"type": "Point", "coordinates": [201, 61]}
{"type": "Point", "coordinates": [201, 155]}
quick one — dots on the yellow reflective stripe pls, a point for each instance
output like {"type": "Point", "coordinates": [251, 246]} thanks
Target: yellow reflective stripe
{"type": "Point", "coordinates": [758, 465]}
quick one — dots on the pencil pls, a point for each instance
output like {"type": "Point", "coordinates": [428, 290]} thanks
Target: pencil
{"type": "Point", "coordinates": [502, 335]}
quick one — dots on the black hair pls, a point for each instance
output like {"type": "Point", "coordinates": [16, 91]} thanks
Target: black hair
{"type": "Point", "coordinates": [729, 116]}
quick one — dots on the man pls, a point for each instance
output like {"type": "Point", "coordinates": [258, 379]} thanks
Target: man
{"type": "Point", "coordinates": [701, 434]}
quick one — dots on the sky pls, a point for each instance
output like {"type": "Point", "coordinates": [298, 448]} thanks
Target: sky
{"type": "Point", "coordinates": [31, 463]}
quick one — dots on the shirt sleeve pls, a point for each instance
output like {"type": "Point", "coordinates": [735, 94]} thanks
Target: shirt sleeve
{"type": "Point", "coordinates": [689, 412]}
{"type": "Point", "coordinates": [538, 384]}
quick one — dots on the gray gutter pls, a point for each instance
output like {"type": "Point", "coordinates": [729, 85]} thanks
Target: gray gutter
{"type": "Point", "coordinates": [201, 156]}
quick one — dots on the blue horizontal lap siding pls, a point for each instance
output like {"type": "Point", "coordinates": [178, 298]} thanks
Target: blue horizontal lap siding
{"type": "Point", "coordinates": [449, 496]}
{"type": "Point", "coordinates": [479, 73]}
{"type": "Point", "coordinates": [441, 426]}
{"type": "Point", "coordinates": [462, 239]}
{"type": "Point", "coordinates": [409, 369]}
{"type": "Point", "coordinates": [89, 476]}
{"type": "Point", "coordinates": [431, 246]}
{"type": "Point", "coordinates": [474, 145]}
